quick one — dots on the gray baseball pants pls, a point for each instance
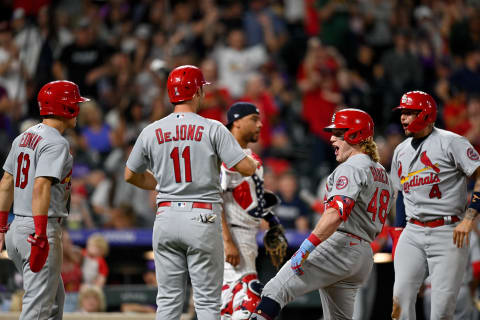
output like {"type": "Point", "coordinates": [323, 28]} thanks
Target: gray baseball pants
{"type": "Point", "coordinates": [44, 293]}
{"type": "Point", "coordinates": [337, 268]}
{"type": "Point", "coordinates": [183, 244]}
{"type": "Point", "coordinates": [422, 251]}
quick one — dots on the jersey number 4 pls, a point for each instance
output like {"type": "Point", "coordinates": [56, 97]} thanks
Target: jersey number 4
{"type": "Point", "coordinates": [175, 156]}
{"type": "Point", "coordinates": [384, 198]}
{"type": "Point", "coordinates": [23, 165]}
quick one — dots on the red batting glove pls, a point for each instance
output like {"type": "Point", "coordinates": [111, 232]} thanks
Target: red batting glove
{"type": "Point", "coordinates": [39, 242]}
{"type": "Point", "coordinates": [3, 221]}
{"type": "Point", "coordinates": [395, 233]}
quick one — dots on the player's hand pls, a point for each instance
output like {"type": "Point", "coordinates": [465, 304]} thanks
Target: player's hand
{"type": "Point", "coordinates": [39, 251]}
{"type": "Point", "coordinates": [232, 255]}
{"type": "Point", "coordinates": [462, 232]}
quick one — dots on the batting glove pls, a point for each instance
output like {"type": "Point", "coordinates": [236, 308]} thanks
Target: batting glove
{"type": "Point", "coordinates": [39, 251]}
{"type": "Point", "coordinates": [307, 246]}
{"type": "Point", "coordinates": [39, 242]}
{"type": "Point", "coordinates": [3, 221]}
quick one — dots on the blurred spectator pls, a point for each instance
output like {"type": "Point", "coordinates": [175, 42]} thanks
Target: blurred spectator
{"type": "Point", "coordinates": [217, 97]}
{"type": "Point", "coordinates": [467, 77]}
{"type": "Point", "coordinates": [401, 72]}
{"type": "Point", "coordinates": [236, 62]}
{"type": "Point", "coordinates": [13, 74]}
{"type": "Point", "coordinates": [97, 137]}
{"type": "Point", "coordinates": [455, 114]}
{"type": "Point", "coordinates": [263, 26]}
{"type": "Point", "coordinates": [335, 25]}
{"type": "Point", "coordinates": [71, 272]}
{"type": "Point", "coordinates": [85, 61]}
{"type": "Point", "coordinates": [91, 299]}
{"type": "Point", "coordinates": [113, 193]}
{"type": "Point", "coordinates": [94, 267]}
{"type": "Point", "coordinates": [473, 109]}
{"type": "Point", "coordinates": [28, 41]}
{"type": "Point", "coordinates": [292, 211]}
{"type": "Point", "coordinates": [378, 23]}
{"type": "Point", "coordinates": [122, 217]}
{"type": "Point", "coordinates": [257, 94]}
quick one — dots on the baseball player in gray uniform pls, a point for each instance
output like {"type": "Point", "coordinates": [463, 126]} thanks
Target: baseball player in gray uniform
{"type": "Point", "coordinates": [244, 206]}
{"type": "Point", "coordinates": [337, 258]}
{"type": "Point", "coordinates": [37, 177]}
{"type": "Point", "coordinates": [431, 168]}
{"type": "Point", "coordinates": [183, 153]}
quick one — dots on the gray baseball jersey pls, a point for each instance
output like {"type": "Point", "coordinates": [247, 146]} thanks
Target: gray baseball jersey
{"type": "Point", "coordinates": [433, 176]}
{"type": "Point", "coordinates": [184, 152]}
{"type": "Point", "coordinates": [340, 264]}
{"type": "Point", "coordinates": [41, 151]}
{"type": "Point", "coordinates": [368, 184]}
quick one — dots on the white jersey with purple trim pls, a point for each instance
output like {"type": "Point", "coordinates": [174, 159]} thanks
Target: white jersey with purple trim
{"type": "Point", "coordinates": [433, 177]}
{"type": "Point", "coordinates": [367, 183]}
{"type": "Point", "coordinates": [241, 195]}
{"type": "Point", "coordinates": [184, 151]}
{"type": "Point", "coordinates": [41, 151]}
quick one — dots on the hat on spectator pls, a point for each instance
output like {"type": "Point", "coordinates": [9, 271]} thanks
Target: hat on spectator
{"type": "Point", "coordinates": [239, 110]}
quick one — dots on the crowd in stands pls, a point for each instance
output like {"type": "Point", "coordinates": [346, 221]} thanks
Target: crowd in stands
{"type": "Point", "coordinates": [297, 60]}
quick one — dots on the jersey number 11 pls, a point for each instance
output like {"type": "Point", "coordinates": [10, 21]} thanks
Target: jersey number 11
{"type": "Point", "coordinates": [175, 156]}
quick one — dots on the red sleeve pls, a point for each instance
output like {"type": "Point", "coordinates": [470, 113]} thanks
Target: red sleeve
{"type": "Point", "coordinates": [343, 205]}
{"type": "Point", "coordinates": [102, 266]}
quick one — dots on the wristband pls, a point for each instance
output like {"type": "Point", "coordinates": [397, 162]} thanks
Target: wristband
{"type": "Point", "coordinates": [314, 239]}
{"type": "Point", "coordinates": [3, 221]}
{"type": "Point", "coordinates": [40, 225]}
{"type": "Point", "coordinates": [475, 203]}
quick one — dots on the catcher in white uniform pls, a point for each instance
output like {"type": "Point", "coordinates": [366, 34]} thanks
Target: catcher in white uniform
{"type": "Point", "coordinates": [245, 204]}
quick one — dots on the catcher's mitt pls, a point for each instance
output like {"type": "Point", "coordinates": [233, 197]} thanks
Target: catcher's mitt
{"type": "Point", "coordinates": [276, 245]}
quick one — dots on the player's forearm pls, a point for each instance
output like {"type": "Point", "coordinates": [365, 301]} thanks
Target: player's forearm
{"type": "Point", "coordinates": [144, 180]}
{"type": "Point", "coordinates": [227, 235]}
{"type": "Point", "coordinates": [474, 207]}
{"type": "Point", "coordinates": [246, 166]}
{"type": "Point", "coordinates": [6, 192]}
{"type": "Point", "coordinates": [328, 224]}
{"type": "Point", "coordinates": [41, 196]}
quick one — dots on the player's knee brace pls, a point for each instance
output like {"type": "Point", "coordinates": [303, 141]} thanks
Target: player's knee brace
{"type": "Point", "coordinates": [267, 309]}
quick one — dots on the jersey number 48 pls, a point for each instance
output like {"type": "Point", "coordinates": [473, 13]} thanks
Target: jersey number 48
{"type": "Point", "coordinates": [382, 207]}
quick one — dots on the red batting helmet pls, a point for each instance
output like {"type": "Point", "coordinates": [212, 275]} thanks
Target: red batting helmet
{"type": "Point", "coordinates": [183, 82]}
{"type": "Point", "coordinates": [60, 98]}
{"type": "Point", "coordinates": [419, 100]}
{"type": "Point", "coordinates": [359, 124]}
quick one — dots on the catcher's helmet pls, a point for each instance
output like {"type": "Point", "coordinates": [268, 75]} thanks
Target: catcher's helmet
{"type": "Point", "coordinates": [183, 82]}
{"type": "Point", "coordinates": [359, 124]}
{"type": "Point", "coordinates": [419, 100]}
{"type": "Point", "coordinates": [60, 98]}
